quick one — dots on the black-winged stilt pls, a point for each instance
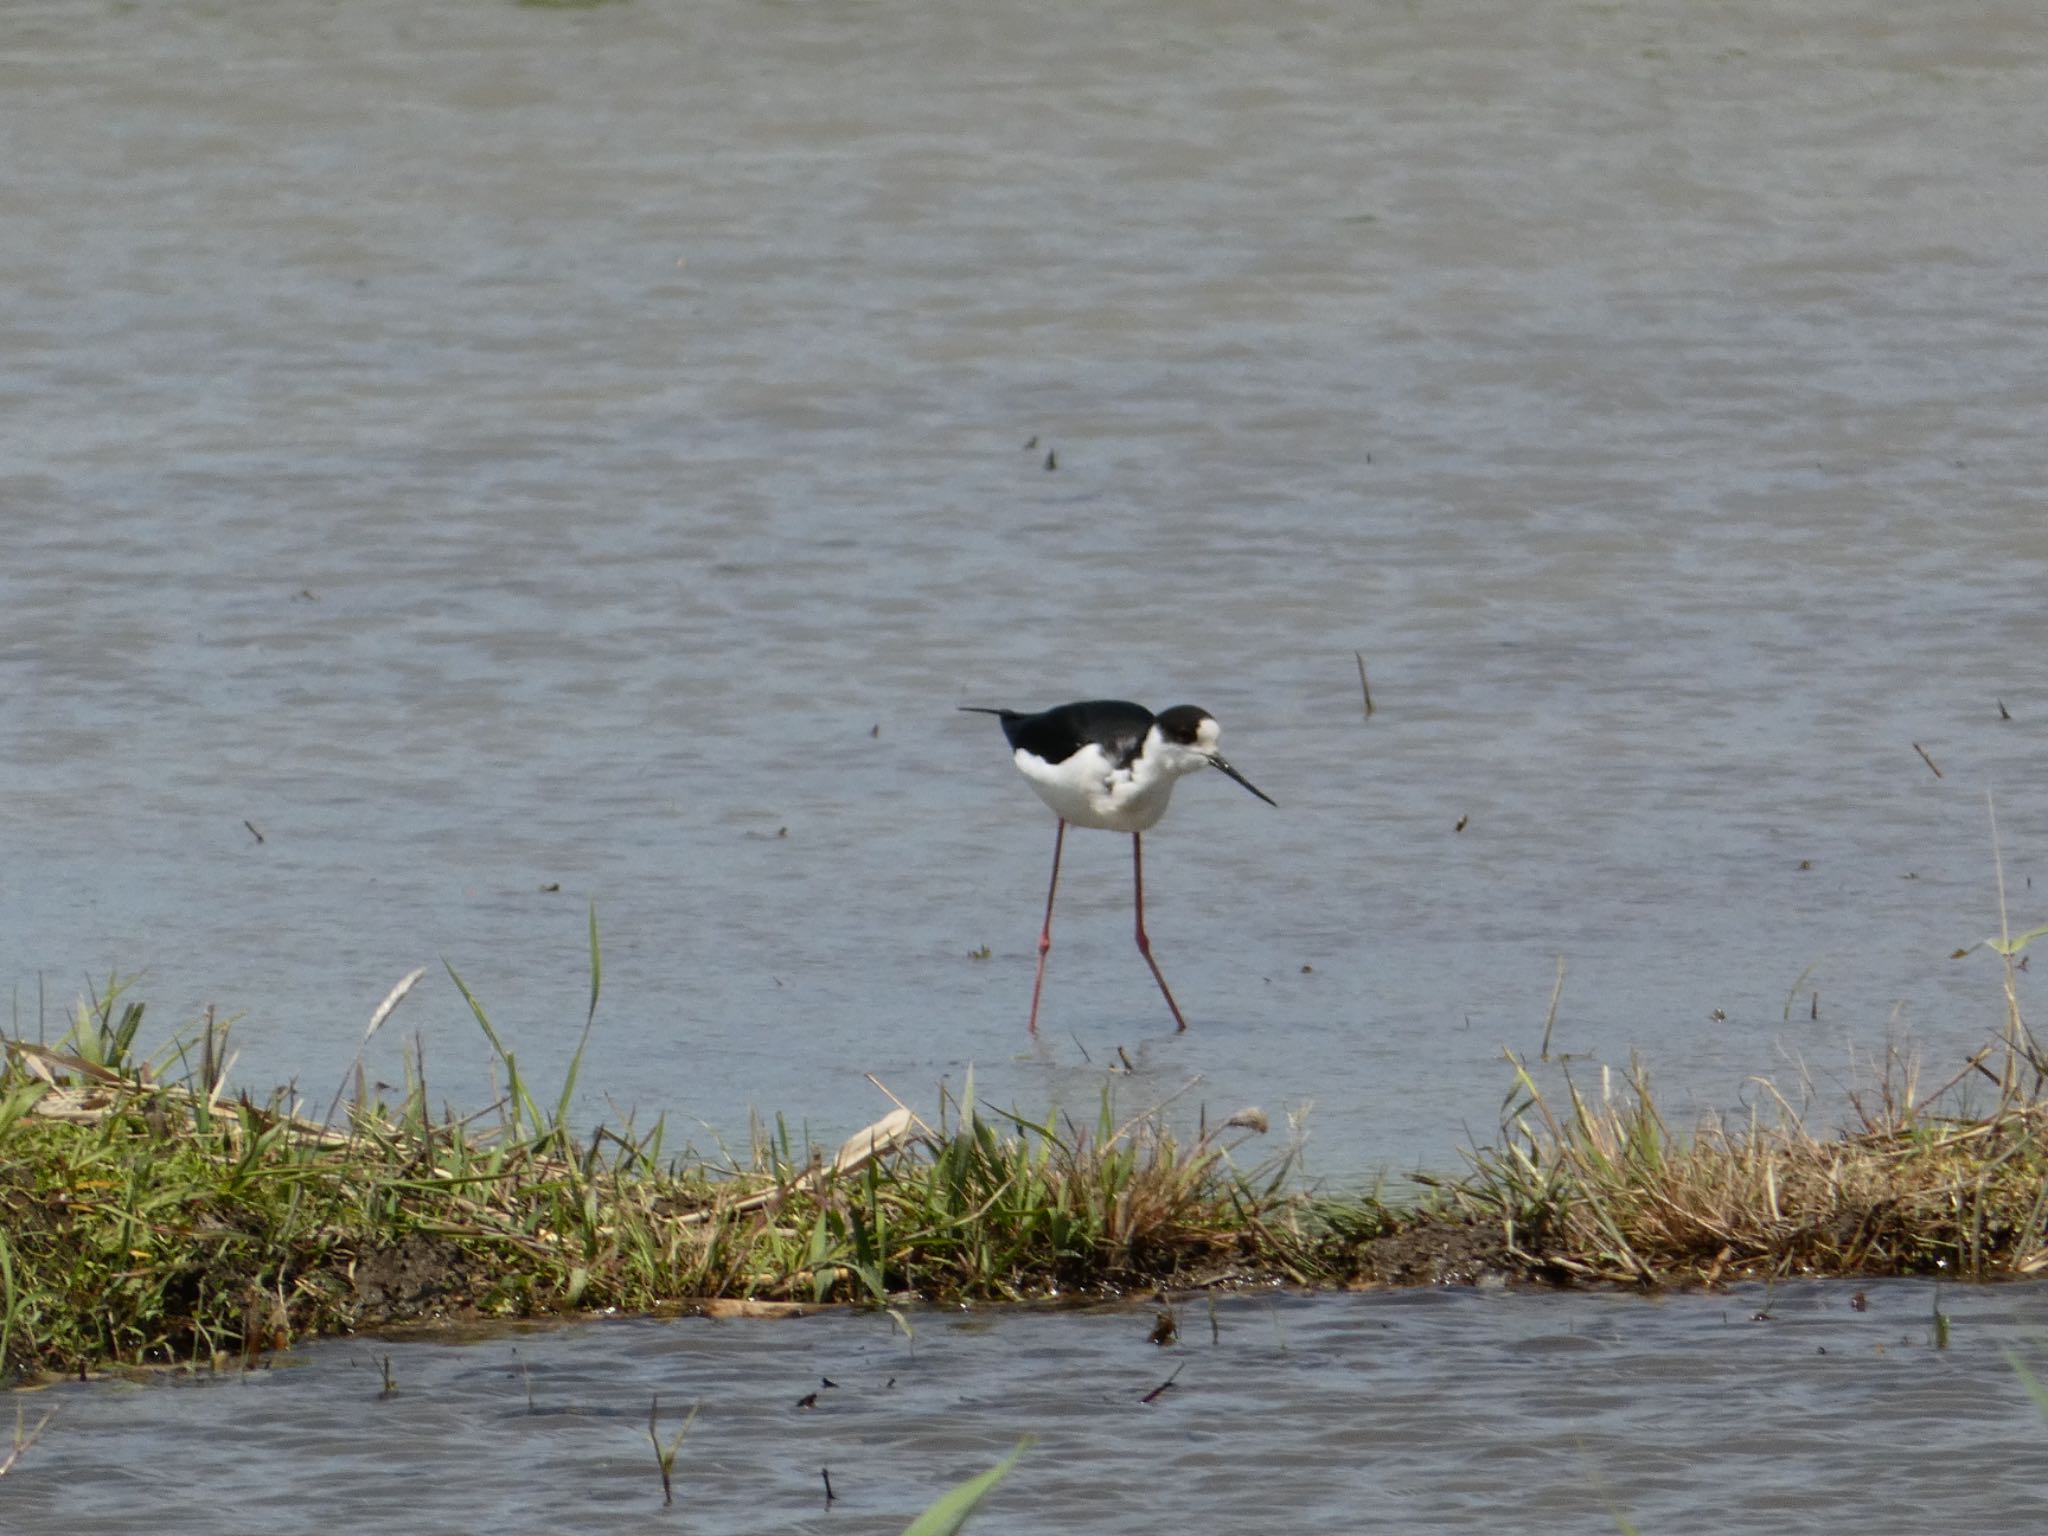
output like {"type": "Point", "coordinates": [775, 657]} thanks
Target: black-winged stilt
{"type": "Point", "coordinates": [1111, 764]}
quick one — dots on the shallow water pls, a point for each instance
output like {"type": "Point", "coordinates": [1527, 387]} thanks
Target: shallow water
{"type": "Point", "coordinates": [498, 449]}
{"type": "Point", "coordinates": [492, 449]}
{"type": "Point", "coordinates": [1423, 1411]}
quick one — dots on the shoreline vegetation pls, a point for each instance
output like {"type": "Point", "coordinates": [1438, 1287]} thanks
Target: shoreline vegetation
{"type": "Point", "coordinates": [149, 1216]}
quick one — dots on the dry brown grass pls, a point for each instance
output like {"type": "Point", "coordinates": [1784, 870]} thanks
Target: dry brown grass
{"type": "Point", "coordinates": [1600, 1187]}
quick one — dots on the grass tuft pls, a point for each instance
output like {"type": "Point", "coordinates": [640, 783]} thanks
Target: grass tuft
{"type": "Point", "coordinates": [145, 1221]}
{"type": "Point", "coordinates": [1600, 1187]}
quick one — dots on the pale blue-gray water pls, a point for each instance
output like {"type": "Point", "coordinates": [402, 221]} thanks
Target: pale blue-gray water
{"type": "Point", "coordinates": [1752, 1410]}
{"type": "Point", "coordinates": [516, 458]}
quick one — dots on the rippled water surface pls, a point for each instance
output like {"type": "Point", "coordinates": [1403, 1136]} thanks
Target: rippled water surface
{"type": "Point", "coordinates": [513, 458]}
{"type": "Point", "coordinates": [491, 449]}
{"type": "Point", "coordinates": [1429, 1411]}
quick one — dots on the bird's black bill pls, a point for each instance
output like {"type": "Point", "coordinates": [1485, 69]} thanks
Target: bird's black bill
{"type": "Point", "coordinates": [1217, 761]}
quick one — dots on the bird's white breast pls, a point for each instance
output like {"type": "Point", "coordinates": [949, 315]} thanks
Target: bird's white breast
{"type": "Point", "coordinates": [1089, 790]}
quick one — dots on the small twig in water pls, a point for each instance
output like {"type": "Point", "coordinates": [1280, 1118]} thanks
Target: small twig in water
{"type": "Point", "coordinates": [1364, 687]}
{"type": "Point", "coordinates": [826, 1473]}
{"type": "Point", "coordinates": [528, 1375]}
{"type": "Point", "coordinates": [1926, 759]}
{"type": "Point", "coordinates": [1763, 1313]}
{"type": "Point", "coordinates": [252, 829]}
{"type": "Point", "coordinates": [1160, 1391]}
{"type": "Point", "coordinates": [666, 1459]}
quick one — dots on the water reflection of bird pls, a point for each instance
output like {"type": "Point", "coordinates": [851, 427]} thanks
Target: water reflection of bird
{"type": "Point", "coordinates": [1111, 764]}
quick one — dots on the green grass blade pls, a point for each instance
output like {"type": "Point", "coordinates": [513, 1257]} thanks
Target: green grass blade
{"type": "Point", "coordinates": [590, 1018]}
{"type": "Point", "coordinates": [596, 968]}
{"type": "Point", "coordinates": [2035, 1389]}
{"type": "Point", "coordinates": [2011, 947]}
{"type": "Point", "coordinates": [18, 1102]}
{"type": "Point", "coordinates": [475, 1007]}
{"type": "Point", "coordinates": [11, 1301]}
{"type": "Point", "coordinates": [124, 1035]}
{"type": "Point", "coordinates": [516, 1095]}
{"type": "Point", "coordinates": [950, 1510]}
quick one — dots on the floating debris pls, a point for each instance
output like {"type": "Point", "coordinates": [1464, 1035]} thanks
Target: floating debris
{"type": "Point", "coordinates": [1160, 1391]}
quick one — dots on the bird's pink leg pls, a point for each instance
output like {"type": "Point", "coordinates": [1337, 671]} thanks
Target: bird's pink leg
{"type": "Point", "coordinates": [1045, 933]}
{"type": "Point", "coordinates": [1145, 944]}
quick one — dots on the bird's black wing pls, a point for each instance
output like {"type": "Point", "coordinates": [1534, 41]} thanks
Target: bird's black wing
{"type": "Point", "coordinates": [1117, 726]}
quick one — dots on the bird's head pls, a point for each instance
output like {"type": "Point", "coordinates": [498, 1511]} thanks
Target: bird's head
{"type": "Point", "coordinates": [1187, 740]}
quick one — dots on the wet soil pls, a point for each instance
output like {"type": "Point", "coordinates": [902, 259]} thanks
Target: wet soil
{"type": "Point", "coordinates": [1437, 1251]}
{"type": "Point", "coordinates": [420, 1277]}
{"type": "Point", "coordinates": [423, 1278]}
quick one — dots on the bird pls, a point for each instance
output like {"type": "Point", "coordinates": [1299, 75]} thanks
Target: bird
{"type": "Point", "coordinates": [1111, 764]}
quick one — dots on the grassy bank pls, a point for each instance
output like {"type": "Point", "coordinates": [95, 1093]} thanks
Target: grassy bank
{"type": "Point", "coordinates": [146, 1217]}
{"type": "Point", "coordinates": [149, 1214]}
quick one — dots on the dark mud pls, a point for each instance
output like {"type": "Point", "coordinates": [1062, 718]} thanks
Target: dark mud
{"type": "Point", "coordinates": [1438, 1251]}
